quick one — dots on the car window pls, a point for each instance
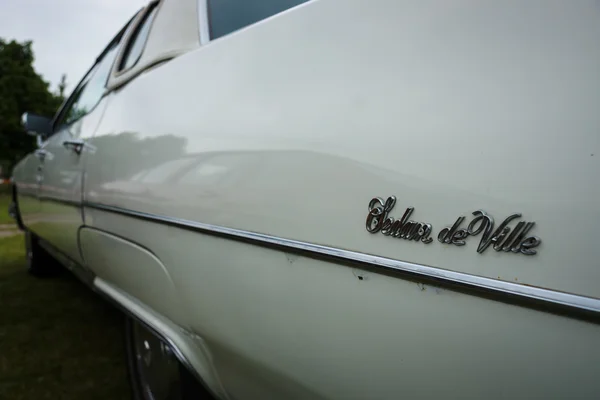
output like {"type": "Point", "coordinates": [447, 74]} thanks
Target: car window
{"type": "Point", "coordinates": [227, 16]}
{"type": "Point", "coordinates": [90, 90]}
{"type": "Point", "coordinates": [137, 42]}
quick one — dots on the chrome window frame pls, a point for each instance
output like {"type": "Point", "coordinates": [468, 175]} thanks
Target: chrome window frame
{"type": "Point", "coordinates": [131, 35]}
{"type": "Point", "coordinates": [203, 23]}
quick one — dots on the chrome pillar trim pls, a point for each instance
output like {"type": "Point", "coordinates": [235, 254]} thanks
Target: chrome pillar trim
{"type": "Point", "coordinates": [203, 23]}
{"type": "Point", "coordinates": [478, 283]}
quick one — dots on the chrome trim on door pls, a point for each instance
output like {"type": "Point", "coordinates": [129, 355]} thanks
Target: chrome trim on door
{"type": "Point", "coordinates": [66, 202]}
{"type": "Point", "coordinates": [480, 285]}
{"type": "Point", "coordinates": [75, 145]}
{"type": "Point", "coordinates": [41, 153]}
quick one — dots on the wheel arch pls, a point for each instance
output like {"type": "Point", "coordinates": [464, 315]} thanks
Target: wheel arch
{"type": "Point", "coordinates": [185, 345]}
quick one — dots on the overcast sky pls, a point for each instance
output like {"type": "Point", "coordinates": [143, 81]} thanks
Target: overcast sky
{"type": "Point", "coordinates": [67, 35]}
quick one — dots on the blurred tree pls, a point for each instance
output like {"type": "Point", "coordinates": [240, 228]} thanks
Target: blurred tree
{"type": "Point", "coordinates": [62, 85]}
{"type": "Point", "coordinates": [21, 90]}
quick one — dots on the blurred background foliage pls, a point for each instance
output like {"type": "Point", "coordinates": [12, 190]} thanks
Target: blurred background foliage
{"type": "Point", "coordinates": [21, 90]}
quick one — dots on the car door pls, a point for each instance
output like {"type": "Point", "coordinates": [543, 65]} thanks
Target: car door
{"type": "Point", "coordinates": [64, 158]}
{"type": "Point", "coordinates": [28, 178]}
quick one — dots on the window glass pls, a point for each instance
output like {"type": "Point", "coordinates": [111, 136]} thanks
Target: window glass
{"type": "Point", "coordinates": [138, 41]}
{"type": "Point", "coordinates": [90, 90]}
{"type": "Point", "coordinates": [227, 16]}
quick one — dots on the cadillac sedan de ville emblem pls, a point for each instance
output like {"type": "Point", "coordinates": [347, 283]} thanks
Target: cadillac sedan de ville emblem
{"type": "Point", "coordinates": [502, 238]}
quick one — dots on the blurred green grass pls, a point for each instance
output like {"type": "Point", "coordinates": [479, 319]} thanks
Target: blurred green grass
{"type": "Point", "coordinates": [58, 340]}
{"type": "Point", "coordinates": [4, 202]}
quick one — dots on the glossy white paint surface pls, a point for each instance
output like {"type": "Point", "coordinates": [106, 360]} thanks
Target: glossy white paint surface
{"type": "Point", "coordinates": [173, 31]}
{"type": "Point", "coordinates": [61, 186]}
{"type": "Point", "coordinates": [278, 325]}
{"type": "Point", "coordinates": [292, 125]}
{"type": "Point", "coordinates": [275, 130]}
{"type": "Point", "coordinates": [132, 269]}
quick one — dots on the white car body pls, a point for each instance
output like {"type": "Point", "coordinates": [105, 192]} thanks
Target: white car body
{"type": "Point", "coordinates": [222, 193]}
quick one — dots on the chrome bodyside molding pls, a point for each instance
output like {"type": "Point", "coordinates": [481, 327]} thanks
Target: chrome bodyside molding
{"type": "Point", "coordinates": [66, 202]}
{"type": "Point", "coordinates": [549, 300]}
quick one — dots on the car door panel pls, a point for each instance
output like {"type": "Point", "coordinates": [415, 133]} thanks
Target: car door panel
{"type": "Point", "coordinates": [61, 188]}
{"type": "Point", "coordinates": [66, 150]}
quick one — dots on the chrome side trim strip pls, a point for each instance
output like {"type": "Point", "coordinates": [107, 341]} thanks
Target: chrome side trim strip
{"type": "Point", "coordinates": [478, 283]}
{"type": "Point", "coordinates": [66, 202]}
{"type": "Point", "coordinates": [203, 23]}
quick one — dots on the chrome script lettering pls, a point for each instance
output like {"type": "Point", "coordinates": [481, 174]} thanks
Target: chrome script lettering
{"type": "Point", "coordinates": [502, 238]}
{"type": "Point", "coordinates": [379, 221]}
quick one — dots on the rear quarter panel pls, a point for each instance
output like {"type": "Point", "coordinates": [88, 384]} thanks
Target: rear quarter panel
{"type": "Point", "coordinates": [292, 131]}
